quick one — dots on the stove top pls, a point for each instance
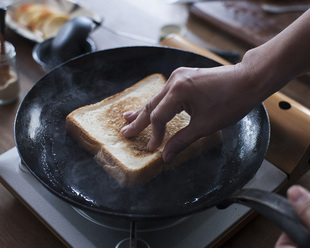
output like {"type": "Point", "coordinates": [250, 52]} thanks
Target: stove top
{"type": "Point", "coordinates": [77, 228]}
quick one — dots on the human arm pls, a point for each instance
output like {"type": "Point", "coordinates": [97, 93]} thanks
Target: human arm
{"type": "Point", "coordinates": [217, 97]}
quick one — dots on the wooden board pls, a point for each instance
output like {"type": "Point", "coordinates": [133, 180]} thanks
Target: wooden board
{"type": "Point", "coordinates": [245, 20]}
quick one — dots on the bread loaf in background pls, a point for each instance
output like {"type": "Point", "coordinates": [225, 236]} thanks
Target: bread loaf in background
{"type": "Point", "coordinates": [97, 128]}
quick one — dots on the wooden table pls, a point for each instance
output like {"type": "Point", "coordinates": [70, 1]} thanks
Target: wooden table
{"type": "Point", "coordinates": [18, 226]}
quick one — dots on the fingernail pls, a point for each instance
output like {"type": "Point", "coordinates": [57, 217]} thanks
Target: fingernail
{"type": "Point", "coordinates": [296, 194]}
{"type": "Point", "coordinates": [149, 147]}
{"type": "Point", "coordinates": [128, 114]}
{"type": "Point", "coordinates": [124, 129]}
{"type": "Point", "coordinates": [169, 157]}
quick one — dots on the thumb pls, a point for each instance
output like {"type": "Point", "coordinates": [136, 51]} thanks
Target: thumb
{"type": "Point", "coordinates": [299, 197]}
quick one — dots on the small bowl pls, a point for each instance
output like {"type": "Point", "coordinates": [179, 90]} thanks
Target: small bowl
{"type": "Point", "coordinates": [42, 54]}
{"type": "Point", "coordinates": [168, 29]}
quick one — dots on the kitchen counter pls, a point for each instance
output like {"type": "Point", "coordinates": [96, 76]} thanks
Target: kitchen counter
{"type": "Point", "coordinates": [18, 226]}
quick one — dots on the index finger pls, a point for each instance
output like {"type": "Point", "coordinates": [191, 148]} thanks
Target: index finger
{"type": "Point", "coordinates": [141, 117]}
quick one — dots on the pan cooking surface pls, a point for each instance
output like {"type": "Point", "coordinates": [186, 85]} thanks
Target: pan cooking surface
{"type": "Point", "coordinates": [66, 169]}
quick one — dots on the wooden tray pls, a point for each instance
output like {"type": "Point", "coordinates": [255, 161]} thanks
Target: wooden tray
{"type": "Point", "coordinates": [245, 20]}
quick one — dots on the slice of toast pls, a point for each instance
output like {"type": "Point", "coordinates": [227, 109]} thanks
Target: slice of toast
{"type": "Point", "coordinates": [97, 128]}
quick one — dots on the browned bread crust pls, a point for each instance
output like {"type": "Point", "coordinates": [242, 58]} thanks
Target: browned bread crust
{"type": "Point", "coordinates": [129, 177]}
{"type": "Point", "coordinates": [133, 164]}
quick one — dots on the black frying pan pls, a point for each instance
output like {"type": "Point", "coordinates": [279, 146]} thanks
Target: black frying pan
{"type": "Point", "coordinates": [64, 167]}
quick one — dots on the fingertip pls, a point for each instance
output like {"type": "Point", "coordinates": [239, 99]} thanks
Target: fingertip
{"type": "Point", "coordinates": [168, 158]}
{"type": "Point", "coordinates": [124, 130]}
{"type": "Point", "coordinates": [296, 193]}
{"type": "Point", "coordinates": [168, 154]}
{"type": "Point", "coordinates": [176, 144]}
{"type": "Point", "coordinates": [156, 140]}
{"type": "Point", "coordinates": [128, 114]}
{"type": "Point", "coordinates": [153, 145]}
{"type": "Point", "coordinates": [150, 147]}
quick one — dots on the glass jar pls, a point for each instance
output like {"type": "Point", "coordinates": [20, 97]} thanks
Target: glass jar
{"type": "Point", "coordinates": [9, 79]}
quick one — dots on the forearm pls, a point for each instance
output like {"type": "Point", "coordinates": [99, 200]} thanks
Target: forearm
{"type": "Point", "coordinates": [273, 64]}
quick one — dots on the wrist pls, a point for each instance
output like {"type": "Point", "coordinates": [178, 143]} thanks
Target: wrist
{"type": "Point", "coordinates": [263, 73]}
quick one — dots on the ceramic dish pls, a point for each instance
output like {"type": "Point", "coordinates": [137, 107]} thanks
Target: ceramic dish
{"type": "Point", "coordinates": [72, 9]}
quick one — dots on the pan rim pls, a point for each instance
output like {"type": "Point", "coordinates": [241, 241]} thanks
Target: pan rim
{"type": "Point", "coordinates": [134, 216]}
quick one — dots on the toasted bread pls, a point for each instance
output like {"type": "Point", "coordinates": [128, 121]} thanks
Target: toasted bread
{"type": "Point", "coordinates": [97, 128]}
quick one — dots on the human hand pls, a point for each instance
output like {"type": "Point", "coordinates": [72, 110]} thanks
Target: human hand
{"type": "Point", "coordinates": [299, 198]}
{"type": "Point", "coordinates": [213, 97]}
{"type": "Point", "coordinates": [217, 97]}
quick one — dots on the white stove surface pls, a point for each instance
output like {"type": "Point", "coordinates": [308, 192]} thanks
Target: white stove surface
{"type": "Point", "coordinates": [198, 231]}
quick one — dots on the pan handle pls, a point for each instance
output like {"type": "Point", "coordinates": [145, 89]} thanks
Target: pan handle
{"type": "Point", "coordinates": [274, 207]}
